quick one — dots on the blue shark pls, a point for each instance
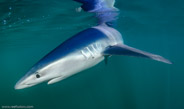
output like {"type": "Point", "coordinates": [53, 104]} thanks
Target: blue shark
{"type": "Point", "coordinates": [82, 51]}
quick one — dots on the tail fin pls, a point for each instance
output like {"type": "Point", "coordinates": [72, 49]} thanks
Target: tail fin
{"type": "Point", "coordinates": [129, 51]}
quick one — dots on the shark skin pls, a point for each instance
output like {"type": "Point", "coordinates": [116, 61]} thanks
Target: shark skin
{"type": "Point", "coordinates": [76, 54]}
{"type": "Point", "coordinates": [85, 49]}
{"type": "Point", "coordinates": [80, 52]}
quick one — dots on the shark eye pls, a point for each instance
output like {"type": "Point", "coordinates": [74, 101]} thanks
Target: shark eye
{"type": "Point", "coordinates": [37, 76]}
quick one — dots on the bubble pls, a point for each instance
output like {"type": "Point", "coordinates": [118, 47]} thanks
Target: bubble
{"type": "Point", "coordinates": [9, 13]}
{"type": "Point", "coordinates": [10, 8]}
{"type": "Point", "coordinates": [4, 22]}
{"type": "Point", "coordinates": [28, 20]}
{"type": "Point", "coordinates": [79, 9]}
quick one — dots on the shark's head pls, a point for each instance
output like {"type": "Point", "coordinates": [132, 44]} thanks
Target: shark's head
{"type": "Point", "coordinates": [37, 75]}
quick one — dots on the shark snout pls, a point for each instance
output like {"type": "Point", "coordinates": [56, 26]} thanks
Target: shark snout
{"type": "Point", "coordinates": [31, 80]}
{"type": "Point", "coordinates": [24, 82]}
{"type": "Point", "coordinates": [21, 84]}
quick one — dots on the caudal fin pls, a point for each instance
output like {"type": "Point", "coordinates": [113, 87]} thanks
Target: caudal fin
{"type": "Point", "coordinates": [129, 51]}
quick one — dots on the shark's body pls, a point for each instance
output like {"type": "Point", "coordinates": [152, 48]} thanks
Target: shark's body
{"type": "Point", "coordinates": [78, 53]}
{"type": "Point", "coordinates": [81, 52]}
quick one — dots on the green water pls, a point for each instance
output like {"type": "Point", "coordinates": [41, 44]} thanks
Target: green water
{"type": "Point", "coordinates": [30, 29]}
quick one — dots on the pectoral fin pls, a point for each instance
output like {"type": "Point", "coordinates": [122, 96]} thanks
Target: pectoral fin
{"type": "Point", "coordinates": [129, 51]}
{"type": "Point", "coordinates": [56, 80]}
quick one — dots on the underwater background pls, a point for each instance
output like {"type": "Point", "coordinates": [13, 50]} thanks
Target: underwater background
{"type": "Point", "coordinates": [29, 29]}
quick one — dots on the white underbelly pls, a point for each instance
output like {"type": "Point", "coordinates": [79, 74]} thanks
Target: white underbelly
{"type": "Point", "coordinates": [78, 62]}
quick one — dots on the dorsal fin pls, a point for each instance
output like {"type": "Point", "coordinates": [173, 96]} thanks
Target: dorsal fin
{"type": "Point", "coordinates": [104, 10]}
{"type": "Point", "coordinates": [97, 5]}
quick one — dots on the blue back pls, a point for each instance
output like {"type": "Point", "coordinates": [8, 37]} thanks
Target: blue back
{"type": "Point", "coordinates": [76, 42]}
